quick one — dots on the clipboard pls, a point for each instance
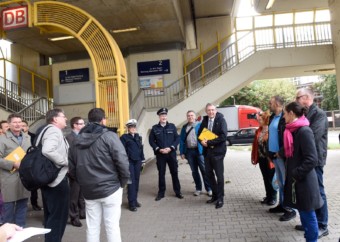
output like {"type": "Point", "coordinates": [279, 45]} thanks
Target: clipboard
{"type": "Point", "coordinates": [207, 134]}
{"type": "Point", "coordinates": [15, 156]}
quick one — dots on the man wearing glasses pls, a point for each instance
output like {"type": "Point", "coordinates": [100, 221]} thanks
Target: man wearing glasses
{"type": "Point", "coordinates": [77, 202]}
{"type": "Point", "coordinates": [319, 124]}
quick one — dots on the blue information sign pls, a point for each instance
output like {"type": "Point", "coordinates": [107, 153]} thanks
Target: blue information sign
{"type": "Point", "coordinates": [149, 68]}
{"type": "Point", "coordinates": [75, 75]}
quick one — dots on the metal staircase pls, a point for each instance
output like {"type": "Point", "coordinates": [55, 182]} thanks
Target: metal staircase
{"type": "Point", "coordinates": [225, 56]}
{"type": "Point", "coordinates": [16, 99]}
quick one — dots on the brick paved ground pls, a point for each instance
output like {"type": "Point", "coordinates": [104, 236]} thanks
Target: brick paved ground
{"type": "Point", "coordinates": [242, 218]}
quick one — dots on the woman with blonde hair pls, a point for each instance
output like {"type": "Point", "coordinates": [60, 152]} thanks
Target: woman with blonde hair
{"type": "Point", "coordinates": [259, 156]}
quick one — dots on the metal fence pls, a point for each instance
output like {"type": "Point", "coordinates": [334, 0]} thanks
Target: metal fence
{"type": "Point", "coordinates": [333, 119]}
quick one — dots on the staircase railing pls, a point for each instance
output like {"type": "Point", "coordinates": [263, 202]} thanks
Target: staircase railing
{"type": "Point", "coordinates": [16, 99]}
{"type": "Point", "coordinates": [237, 48]}
{"type": "Point", "coordinates": [36, 110]}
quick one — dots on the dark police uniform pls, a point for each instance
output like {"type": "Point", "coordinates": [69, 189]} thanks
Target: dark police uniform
{"type": "Point", "coordinates": [134, 150]}
{"type": "Point", "coordinates": [165, 137]}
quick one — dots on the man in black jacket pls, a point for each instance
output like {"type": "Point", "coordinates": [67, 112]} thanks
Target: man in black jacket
{"type": "Point", "coordinates": [214, 151]}
{"type": "Point", "coordinates": [98, 161]}
{"type": "Point", "coordinates": [164, 140]}
{"type": "Point", "coordinates": [319, 125]}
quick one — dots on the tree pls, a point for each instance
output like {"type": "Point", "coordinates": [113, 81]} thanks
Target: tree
{"type": "Point", "coordinates": [328, 89]}
{"type": "Point", "coordinates": [258, 93]}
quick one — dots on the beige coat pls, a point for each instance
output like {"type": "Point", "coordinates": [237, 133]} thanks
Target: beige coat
{"type": "Point", "coordinates": [11, 186]}
{"type": "Point", "coordinates": [55, 148]}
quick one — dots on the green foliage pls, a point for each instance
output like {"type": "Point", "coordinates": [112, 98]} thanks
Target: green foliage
{"type": "Point", "coordinates": [328, 89]}
{"type": "Point", "coordinates": [258, 93]}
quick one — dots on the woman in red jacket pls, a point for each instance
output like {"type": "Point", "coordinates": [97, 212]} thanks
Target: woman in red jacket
{"type": "Point", "coordinates": [259, 155]}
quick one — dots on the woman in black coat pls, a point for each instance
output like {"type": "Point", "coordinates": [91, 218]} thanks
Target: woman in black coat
{"type": "Point", "coordinates": [301, 188]}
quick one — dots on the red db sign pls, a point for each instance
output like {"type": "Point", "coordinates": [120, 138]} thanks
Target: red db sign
{"type": "Point", "coordinates": [13, 18]}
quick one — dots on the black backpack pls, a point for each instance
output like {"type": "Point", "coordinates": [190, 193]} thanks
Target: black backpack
{"type": "Point", "coordinates": [36, 170]}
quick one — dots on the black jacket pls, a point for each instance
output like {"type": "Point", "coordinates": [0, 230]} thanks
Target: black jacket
{"type": "Point", "coordinates": [301, 168]}
{"type": "Point", "coordinates": [216, 146]}
{"type": "Point", "coordinates": [280, 129]}
{"type": "Point", "coordinates": [319, 125]}
{"type": "Point", "coordinates": [133, 146]}
{"type": "Point", "coordinates": [98, 161]}
{"type": "Point", "coordinates": [162, 137]}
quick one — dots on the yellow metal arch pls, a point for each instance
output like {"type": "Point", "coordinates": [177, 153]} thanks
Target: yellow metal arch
{"type": "Point", "coordinates": [108, 63]}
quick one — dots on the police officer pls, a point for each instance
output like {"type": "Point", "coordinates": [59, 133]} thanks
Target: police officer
{"type": "Point", "coordinates": [164, 140]}
{"type": "Point", "coordinates": [134, 149]}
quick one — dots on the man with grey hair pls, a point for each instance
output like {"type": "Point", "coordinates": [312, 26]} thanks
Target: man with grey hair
{"type": "Point", "coordinates": [191, 149]}
{"type": "Point", "coordinates": [55, 195]}
{"type": "Point", "coordinates": [214, 151]}
{"type": "Point", "coordinates": [319, 125]}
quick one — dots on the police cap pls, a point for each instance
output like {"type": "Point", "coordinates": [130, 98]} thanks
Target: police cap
{"type": "Point", "coordinates": [162, 111]}
{"type": "Point", "coordinates": [131, 122]}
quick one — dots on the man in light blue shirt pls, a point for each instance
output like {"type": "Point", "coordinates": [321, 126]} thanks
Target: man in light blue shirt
{"type": "Point", "coordinates": [276, 128]}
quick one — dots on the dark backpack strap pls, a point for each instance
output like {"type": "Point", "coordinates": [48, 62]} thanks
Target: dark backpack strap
{"type": "Point", "coordinates": [186, 135]}
{"type": "Point", "coordinates": [41, 136]}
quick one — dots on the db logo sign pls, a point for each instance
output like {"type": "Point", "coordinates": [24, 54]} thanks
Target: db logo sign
{"type": "Point", "coordinates": [13, 18]}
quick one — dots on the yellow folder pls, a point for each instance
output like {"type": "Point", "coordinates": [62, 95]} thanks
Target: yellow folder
{"type": "Point", "coordinates": [16, 156]}
{"type": "Point", "coordinates": [207, 134]}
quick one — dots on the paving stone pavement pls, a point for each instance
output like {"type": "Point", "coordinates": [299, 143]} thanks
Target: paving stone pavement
{"type": "Point", "coordinates": [241, 219]}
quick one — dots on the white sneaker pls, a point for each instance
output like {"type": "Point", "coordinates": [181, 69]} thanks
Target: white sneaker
{"type": "Point", "coordinates": [197, 193]}
{"type": "Point", "coordinates": [210, 193]}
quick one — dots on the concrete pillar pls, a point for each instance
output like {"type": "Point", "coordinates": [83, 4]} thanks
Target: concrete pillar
{"type": "Point", "coordinates": [334, 7]}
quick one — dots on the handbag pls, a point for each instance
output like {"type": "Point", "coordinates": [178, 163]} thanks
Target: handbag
{"type": "Point", "coordinates": [36, 170]}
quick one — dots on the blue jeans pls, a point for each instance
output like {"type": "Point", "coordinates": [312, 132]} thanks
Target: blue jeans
{"type": "Point", "coordinates": [280, 171]}
{"type": "Point", "coordinates": [196, 161]}
{"type": "Point", "coordinates": [15, 212]}
{"type": "Point", "coordinates": [322, 213]}
{"type": "Point", "coordinates": [310, 225]}
{"type": "Point", "coordinates": [133, 188]}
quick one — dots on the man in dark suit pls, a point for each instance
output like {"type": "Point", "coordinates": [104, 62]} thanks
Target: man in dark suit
{"type": "Point", "coordinates": [214, 151]}
{"type": "Point", "coordinates": [77, 202]}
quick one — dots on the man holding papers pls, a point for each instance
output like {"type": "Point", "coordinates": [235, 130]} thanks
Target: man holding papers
{"type": "Point", "coordinates": [213, 136]}
{"type": "Point", "coordinates": [14, 194]}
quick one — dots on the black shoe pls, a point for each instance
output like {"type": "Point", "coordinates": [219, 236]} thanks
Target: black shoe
{"type": "Point", "coordinates": [138, 205]}
{"type": "Point", "coordinates": [133, 209]}
{"type": "Point", "coordinates": [264, 200]}
{"type": "Point", "coordinates": [36, 207]}
{"type": "Point", "coordinates": [322, 233]}
{"type": "Point", "coordinates": [277, 209]}
{"type": "Point", "coordinates": [76, 223]}
{"type": "Point", "coordinates": [271, 202]}
{"type": "Point", "coordinates": [159, 197]}
{"type": "Point", "coordinates": [179, 195]}
{"type": "Point", "coordinates": [212, 200]}
{"type": "Point", "coordinates": [219, 204]}
{"type": "Point", "coordinates": [82, 216]}
{"type": "Point", "coordinates": [288, 215]}
{"type": "Point", "coordinates": [299, 227]}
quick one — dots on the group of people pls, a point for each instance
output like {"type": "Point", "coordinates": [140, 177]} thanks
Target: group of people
{"type": "Point", "coordinates": [92, 151]}
{"type": "Point", "coordinates": [204, 155]}
{"type": "Point", "coordinates": [292, 144]}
